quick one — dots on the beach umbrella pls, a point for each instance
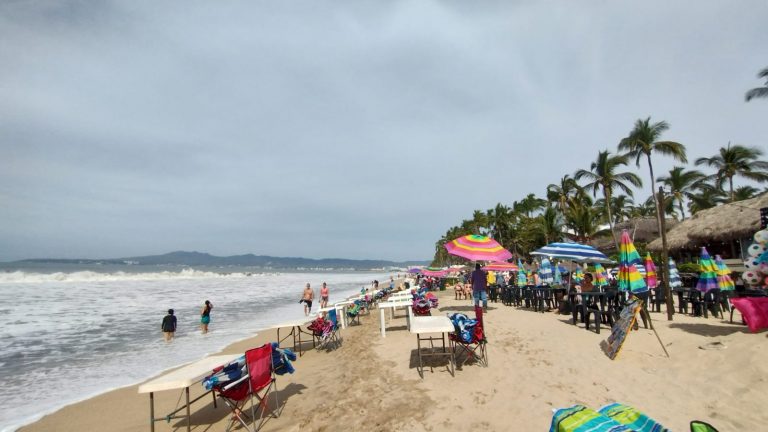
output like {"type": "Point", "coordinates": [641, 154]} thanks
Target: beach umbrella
{"type": "Point", "coordinates": [573, 252]}
{"type": "Point", "coordinates": [629, 260]}
{"type": "Point", "coordinates": [522, 276]}
{"type": "Point", "coordinates": [674, 275]}
{"type": "Point", "coordinates": [578, 275]}
{"type": "Point", "coordinates": [650, 272]}
{"type": "Point", "coordinates": [707, 272]}
{"type": "Point", "coordinates": [601, 279]}
{"type": "Point", "coordinates": [478, 248]}
{"type": "Point", "coordinates": [500, 266]}
{"type": "Point", "coordinates": [456, 269]}
{"type": "Point", "coordinates": [558, 276]}
{"type": "Point", "coordinates": [414, 270]}
{"type": "Point", "coordinates": [724, 281]}
{"type": "Point", "coordinates": [545, 272]}
{"type": "Point", "coordinates": [434, 272]}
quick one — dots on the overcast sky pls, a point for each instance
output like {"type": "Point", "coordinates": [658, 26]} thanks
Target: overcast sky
{"type": "Point", "coordinates": [356, 129]}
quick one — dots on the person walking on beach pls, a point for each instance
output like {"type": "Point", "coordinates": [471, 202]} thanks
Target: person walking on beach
{"type": "Point", "coordinates": [479, 287]}
{"type": "Point", "coordinates": [205, 316]}
{"type": "Point", "coordinates": [307, 298]}
{"type": "Point", "coordinates": [169, 325]}
{"type": "Point", "coordinates": [324, 296]}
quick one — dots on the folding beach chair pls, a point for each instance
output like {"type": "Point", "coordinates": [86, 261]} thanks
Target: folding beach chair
{"type": "Point", "coordinates": [326, 331]}
{"type": "Point", "coordinates": [257, 382]}
{"type": "Point", "coordinates": [353, 313]}
{"type": "Point", "coordinates": [469, 337]}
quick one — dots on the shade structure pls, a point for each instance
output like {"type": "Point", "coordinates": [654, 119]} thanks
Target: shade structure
{"type": "Point", "coordinates": [545, 272]}
{"type": "Point", "coordinates": [674, 275]}
{"type": "Point", "coordinates": [707, 272]}
{"type": "Point", "coordinates": [522, 275]}
{"type": "Point", "coordinates": [572, 251]}
{"type": "Point", "coordinates": [629, 260]}
{"type": "Point", "coordinates": [650, 272]}
{"type": "Point", "coordinates": [478, 248]}
{"type": "Point", "coordinates": [724, 281]}
{"type": "Point", "coordinates": [500, 266]}
{"type": "Point", "coordinates": [434, 272]}
{"type": "Point", "coordinates": [601, 279]}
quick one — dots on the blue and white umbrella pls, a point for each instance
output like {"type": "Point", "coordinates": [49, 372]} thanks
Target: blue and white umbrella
{"type": "Point", "coordinates": [545, 272]}
{"type": "Point", "coordinates": [674, 275]}
{"type": "Point", "coordinates": [572, 251]}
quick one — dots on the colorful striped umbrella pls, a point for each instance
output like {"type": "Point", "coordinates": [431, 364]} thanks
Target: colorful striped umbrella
{"type": "Point", "coordinates": [434, 271]}
{"type": "Point", "coordinates": [545, 272]}
{"type": "Point", "coordinates": [578, 275]}
{"type": "Point", "coordinates": [601, 279]}
{"type": "Point", "coordinates": [674, 275]}
{"type": "Point", "coordinates": [500, 266]}
{"type": "Point", "coordinates": [724, 281]}
{"type": "Point", "coordinates": [522, 276]}
{"type": "Point", "coordinates": [707, 272]}
{"type": "Point", "coordinates": [629, 278]}
{"type": "Point", "coordinates": [572, 251]}
{"type": "Point", "coordinates": [478, 248]}
{"type": "Point", "coordinates": [650, 272]}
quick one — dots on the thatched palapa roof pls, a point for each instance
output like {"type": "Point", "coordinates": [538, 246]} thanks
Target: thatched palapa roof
{"type": "Point", "coordinates": [642, 230]}
{"type": "Point", "coordinates": [726, 222]}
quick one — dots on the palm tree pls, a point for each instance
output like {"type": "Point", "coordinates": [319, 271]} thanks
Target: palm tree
{"type": "Point", "coordinates": [549, 225]}
{"type": "Point", "coordinates": [737, 161]}
{"type": "Point", "coordinates": [704, 195]}
{"type": "Point", "coordinates": [583, 219]}
{"type": "Point", "coordinates": [562, 193]}
{"type": "Point", "coordinates": [681, 182]}
{"type": "Point", "coordinates": [499, 218]}
{"type": "Point", "coordinates": [745, 192]}
{"type": "Point", "coordinates": [603, 175]}
{"type": "Point", "coordinates": [529, 204]}
{"type": "Point", "coordinates": [621, 207]}
{"type": "Point", "coordinates": [760, 92]}
{"type": "Point", "coordinates": [643, 141]}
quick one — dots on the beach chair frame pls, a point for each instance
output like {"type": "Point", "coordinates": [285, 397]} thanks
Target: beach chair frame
{"type": "Point", "coordinates": [476, 350]}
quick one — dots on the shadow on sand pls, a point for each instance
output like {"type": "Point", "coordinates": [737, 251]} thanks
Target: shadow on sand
{"type": "Point", "coordinates": [709, 330]}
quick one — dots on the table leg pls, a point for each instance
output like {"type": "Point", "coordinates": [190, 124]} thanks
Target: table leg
{"type": "Point", "coordinates": [383, 329]}
{"type": "Point", "coordinates": [418, 350]}
{"type": "Point", "coordinates": [189, 419]}
{"type": "Point", "coordinates": [583, 310]}
{"type": "Point", "coordinates": [152, 411]}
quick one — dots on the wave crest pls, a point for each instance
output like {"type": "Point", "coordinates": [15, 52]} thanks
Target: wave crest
{"type": "Point", "coordinates": [91, 276]}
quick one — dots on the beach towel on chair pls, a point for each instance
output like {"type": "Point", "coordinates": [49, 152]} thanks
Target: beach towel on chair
{"type": "Point", "coordinates": [281, 359]}
{"type": "Point", "coordinates": [631, 417]}
{"type": "Point", "coordinates": [421, 307]}
{"type": "Point", "coordinates": [225, 374]}
{"type": "Point", "coordinates": [464, 328]}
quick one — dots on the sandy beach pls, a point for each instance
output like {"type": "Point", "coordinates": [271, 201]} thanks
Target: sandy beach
{"type": "Point", "coordinates": [537, 361]}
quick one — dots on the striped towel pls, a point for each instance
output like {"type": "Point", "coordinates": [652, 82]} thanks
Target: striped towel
{"type": "Point", "coordinates": [632, 418]}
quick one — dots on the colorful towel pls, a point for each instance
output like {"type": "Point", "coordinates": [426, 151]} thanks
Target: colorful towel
{"type": "Point", "coordinates": [632, 418]}
{"type": "Point", "coordinates": [615, 417]}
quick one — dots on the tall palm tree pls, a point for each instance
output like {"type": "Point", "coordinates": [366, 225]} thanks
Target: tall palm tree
{"type": "Point", "coordinates": [603, 176]}
{"type": "Point", "coordinates": [529, 204]}
{"type": "Point", "coordinates": [621, 207]}
{"type": "Point", "coordinates": [562, 192]}
{"type": "Point", "coordinates": [761, 92]}
{"type": "Point", "coordinates": [704, 195]}
{"type": "Point", "coordinates": [643, 140]}
{"type": "Point", "coordinates": [499, 219]}
{"type": "Point", "coordinates": [737, 161]}
{"type": "Point", "coordinates": [582, 219]}
{"type": "Point", "coordinates": [680, 182]}
{"type": "Point", "coordinates": [745, 192]}
{"type": "Point", "coordinates": [549, 225]}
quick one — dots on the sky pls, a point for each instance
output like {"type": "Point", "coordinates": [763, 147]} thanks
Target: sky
{"type": "Point", "coordinates": [355, 129]}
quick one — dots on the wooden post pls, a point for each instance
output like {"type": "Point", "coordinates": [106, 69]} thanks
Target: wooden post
{"type": "Point", "coordinates": [665, 259]}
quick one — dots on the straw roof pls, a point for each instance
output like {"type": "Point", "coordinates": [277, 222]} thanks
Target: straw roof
{"type": "Point", "coordinates": [725, 222]}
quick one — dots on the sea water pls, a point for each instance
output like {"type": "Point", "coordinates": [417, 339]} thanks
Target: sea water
{"type": "Point", "coordinates": [68, 336]}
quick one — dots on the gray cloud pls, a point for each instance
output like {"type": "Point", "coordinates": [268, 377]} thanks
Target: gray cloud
{"type": "Point", "coordinates": [353, 129]}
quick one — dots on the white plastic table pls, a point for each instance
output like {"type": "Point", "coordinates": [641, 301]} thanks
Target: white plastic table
{"type": "Point", "coordinates": [392, 305]}
{"type": "Point", "coordinates": [296, 332]}
{"type": "Point", "coordinates": [183, 378]}
{"type": "Point", "coordinates": [433, 324]}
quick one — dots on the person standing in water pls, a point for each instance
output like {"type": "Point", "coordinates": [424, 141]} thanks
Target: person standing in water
{"type": "Point", "coordinates": [306, 297]}
{"type": "Point", "coordinates": [169, 325]}
{"type": "Point", "coordinates": [205, 316]}
{"type": "Point", "coordinates": [324, 293]}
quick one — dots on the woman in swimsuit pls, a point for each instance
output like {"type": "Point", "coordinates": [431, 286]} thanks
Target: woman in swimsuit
{"type": "Point", "coordinates": [205, 316]}
{"type": "Point", "coordinates": [324, 296]}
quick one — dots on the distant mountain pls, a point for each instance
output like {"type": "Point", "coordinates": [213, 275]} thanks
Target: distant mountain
{"type": "Point", "coordinates": [250, 260]}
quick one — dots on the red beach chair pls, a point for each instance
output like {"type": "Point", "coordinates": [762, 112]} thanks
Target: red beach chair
{"type": "Point", "coordinates": [475, 349]}
{"type": "Point", "coordinates": [257, 382]}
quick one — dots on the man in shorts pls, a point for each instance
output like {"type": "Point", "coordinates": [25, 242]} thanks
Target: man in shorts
{"type": "Point", "coordinates": [479, 287]}
{"type": "Point", "coordinates": [169, 326]}
{"type": "Point", "coordinates": [307, 298]}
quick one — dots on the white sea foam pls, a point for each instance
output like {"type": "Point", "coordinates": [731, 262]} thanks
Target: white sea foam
{"type": "Point", "coordinates": [102, 331]}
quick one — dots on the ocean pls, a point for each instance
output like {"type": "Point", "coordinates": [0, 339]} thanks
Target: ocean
{"type": "Point", "coordinates": [70, 333]}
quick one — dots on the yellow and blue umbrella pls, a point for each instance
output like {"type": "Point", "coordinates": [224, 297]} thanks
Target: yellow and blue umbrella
{"type": "Point", "coordinates": [724, 281]}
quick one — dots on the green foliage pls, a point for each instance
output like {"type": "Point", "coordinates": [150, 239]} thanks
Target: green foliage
{"type": "Point", "coordinates": [688, 268]}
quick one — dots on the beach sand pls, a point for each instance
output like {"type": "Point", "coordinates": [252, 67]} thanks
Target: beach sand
{"type": "Point", "coordinates": [537, 362]}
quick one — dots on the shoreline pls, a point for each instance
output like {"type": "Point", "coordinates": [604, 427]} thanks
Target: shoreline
{"type": "Point", "coordinates": [537, 362]}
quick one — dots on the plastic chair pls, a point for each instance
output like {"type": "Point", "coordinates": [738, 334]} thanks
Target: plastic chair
{"type": "Point", "coordinates": [711, 301]}
{"type": "Point", "coordinates": [258, 382]}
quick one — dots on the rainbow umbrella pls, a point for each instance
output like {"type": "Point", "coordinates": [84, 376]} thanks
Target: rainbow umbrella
{"type": "Point", "coordinates": [629, 278]}
{"type": "Point", "coordinates": [724, 281]}
{"type": "Point", "coordinates": [500, 266]}
{"type": "Point", "coordinates": [674, 275]}
{"type": "Point", "coordinates": [650, 272]}
{"type": "Point", "coordinates": [601, 279]}
{"type": "Point", "coordinates": [578, 275]}
{"type": "Point", "coordinates": [545, 272]}
{"type": "Point", "coordinates": [707, 272]}
{"type": "Point", "coordinates": [434, 272]}
{"type": "Point", "coordinates": [522, 276]}
{"type": "Point", "coordinates": [478, 248]}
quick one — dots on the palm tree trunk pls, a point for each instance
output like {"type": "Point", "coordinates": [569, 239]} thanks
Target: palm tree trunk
{"type": "Point", "coordinates": [730, 182]}
{"type": "Point", "coordinates": [656, 202]}
{"type": "Point", "coordinates": [607, 196]}
{"type": "Point", "coordinates": [680, 204]}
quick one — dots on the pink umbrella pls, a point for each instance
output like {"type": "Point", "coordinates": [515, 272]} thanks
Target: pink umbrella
{"type": "Point", "coordinates": [500, 266]}
{"type": "Point", "coordinates": [434, 272]}
{"type": "Point", "coordinates": [650, 272]}
{"type": "Point", "coordinates": [478, 248]}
